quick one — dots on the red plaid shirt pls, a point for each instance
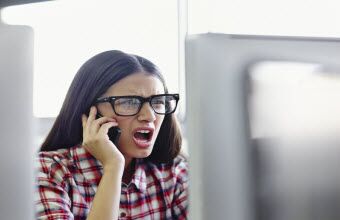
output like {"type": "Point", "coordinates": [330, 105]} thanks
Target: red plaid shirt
{"type": "Point", "coordinates": [67, 181]}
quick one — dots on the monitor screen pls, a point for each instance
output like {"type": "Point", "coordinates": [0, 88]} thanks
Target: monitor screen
{"type": "Point", "coordinates": [294, 121]}
{"type": "Point", "coordinates": [227, 136]}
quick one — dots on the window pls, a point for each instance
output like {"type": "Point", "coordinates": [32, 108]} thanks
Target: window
{"type": "Point", "coordinates": [68, 32]}
{"type": "Point", "coordinates": [317, 18]}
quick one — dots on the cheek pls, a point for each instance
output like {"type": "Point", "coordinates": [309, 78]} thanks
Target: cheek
{"type": "Point", "coordinates": [124, 124]}
{"type": "Point", "coordinates": [125, 138]}
{"type": "Point", "coordinates": [105, 109]}
{"type": "Point", "coordinates": [158, 123]}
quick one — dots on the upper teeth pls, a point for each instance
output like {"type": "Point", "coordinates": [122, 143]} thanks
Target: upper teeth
{"type": "Point", "coordinates": [144, 131]}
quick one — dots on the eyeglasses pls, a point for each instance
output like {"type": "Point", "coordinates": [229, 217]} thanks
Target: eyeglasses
{"type": "Point", "coordinates": [162, 104]}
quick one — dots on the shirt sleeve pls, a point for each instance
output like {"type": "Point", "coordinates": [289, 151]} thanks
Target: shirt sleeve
{"type": "Point", "coordinates": [180, 201]}
{"type": "Point", "coordinates": [51, 198]}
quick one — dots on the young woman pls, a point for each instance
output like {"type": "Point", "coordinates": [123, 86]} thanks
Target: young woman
{"type": "Point", "coordinates": [83, 174]}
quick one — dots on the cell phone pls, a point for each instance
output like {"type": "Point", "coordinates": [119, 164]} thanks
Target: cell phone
{"type": "Point", "coordinates": [113, 133]}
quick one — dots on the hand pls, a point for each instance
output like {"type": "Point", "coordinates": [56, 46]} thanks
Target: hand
{"type": "Point", "coordinates": [97, 142]}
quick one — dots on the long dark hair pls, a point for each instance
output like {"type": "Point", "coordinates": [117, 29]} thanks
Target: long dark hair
{"type": "Point", "coordinates": [91, 81]}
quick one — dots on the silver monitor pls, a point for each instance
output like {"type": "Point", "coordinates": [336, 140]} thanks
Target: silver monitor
{"type": "Point", "coordinates": [224, 156]}
{"type": "Point", "coordinates": [16, 157]}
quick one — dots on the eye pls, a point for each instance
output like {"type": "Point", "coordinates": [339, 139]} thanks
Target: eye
{"type": "Point", "coordinates": [127, 102]}
{"type": "Point", "coordinates": [158, 102]}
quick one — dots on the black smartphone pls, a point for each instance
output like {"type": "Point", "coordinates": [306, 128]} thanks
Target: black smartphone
{"type": "Point", "coordinates": [113, 133]}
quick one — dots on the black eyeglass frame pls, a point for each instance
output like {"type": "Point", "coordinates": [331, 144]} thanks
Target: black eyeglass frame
{"type": "Point", "coordinates": [112, 99]}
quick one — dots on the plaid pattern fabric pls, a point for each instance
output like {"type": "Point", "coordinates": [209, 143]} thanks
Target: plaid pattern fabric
{"type": "Point", "coordinates": [67, 181]}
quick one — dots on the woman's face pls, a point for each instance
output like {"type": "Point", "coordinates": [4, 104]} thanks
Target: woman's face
{"type": "Point", "coordinates": [138, 132]}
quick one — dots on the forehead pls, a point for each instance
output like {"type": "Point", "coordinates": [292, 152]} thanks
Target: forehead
{"type": "Point", "coordinates": [141, 84]}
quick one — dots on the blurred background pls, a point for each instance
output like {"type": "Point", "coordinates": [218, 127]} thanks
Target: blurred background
{"type": "Point", "coordinates": [290, 105]}
{"type": "Point", "coordinates": [67, 33]}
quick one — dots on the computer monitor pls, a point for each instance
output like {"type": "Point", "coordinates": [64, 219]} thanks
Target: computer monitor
{"type": "Point", "coordinates": [223, 154]}
{"type": "Point", "coordinates": [16, 157]}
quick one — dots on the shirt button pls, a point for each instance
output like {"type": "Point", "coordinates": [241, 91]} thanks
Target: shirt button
{"type": "Point", "coordinates": [122, 214]}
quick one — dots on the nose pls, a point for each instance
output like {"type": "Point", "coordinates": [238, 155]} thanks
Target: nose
{"type": "Point", "coordinates": [146, 113]}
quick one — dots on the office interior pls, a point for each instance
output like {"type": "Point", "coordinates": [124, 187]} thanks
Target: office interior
{"type": "Point", "coordinates": [259, 85]}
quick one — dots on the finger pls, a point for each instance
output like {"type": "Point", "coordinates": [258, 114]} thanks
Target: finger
{"type": "Point", "coordinates": [92, 114]}
{"type": "Point", "coordinates": [85, 126]}
{"type": "Point", "coordinates": [83, 120]}
{"type": "Point", "coordinates": [105, 127]}
{"type": "Point", "coordinates": [90, 119]}
{"type": "Point", "coordinates": [103, 120]}
{"type": "Point", "coordinates": [96, 124]}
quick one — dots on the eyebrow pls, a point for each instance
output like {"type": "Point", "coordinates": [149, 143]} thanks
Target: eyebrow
{"type": "Point", "coordinates": [133, 92]}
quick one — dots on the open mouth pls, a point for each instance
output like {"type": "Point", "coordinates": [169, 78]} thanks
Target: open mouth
{"type": "Point", "coordinates": [143, 135]}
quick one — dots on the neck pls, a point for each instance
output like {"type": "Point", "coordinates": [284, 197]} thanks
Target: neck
{"type": "Point", "coordinates": [128, 161]}
{"type": "Point", "coordinates": [128, 170]}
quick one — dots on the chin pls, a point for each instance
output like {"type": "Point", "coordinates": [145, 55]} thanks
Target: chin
{"type": "Point", "coordinates": [139, 153]}
{"type": "Point", "coordinates": [143, 154]}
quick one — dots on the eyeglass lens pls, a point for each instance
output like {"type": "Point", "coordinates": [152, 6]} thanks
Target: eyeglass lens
{"type": "Point", "coordinates": [131, 105]}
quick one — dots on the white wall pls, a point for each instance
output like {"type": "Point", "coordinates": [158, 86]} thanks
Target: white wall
{"type": "Point", "coordinates": [317, 18]}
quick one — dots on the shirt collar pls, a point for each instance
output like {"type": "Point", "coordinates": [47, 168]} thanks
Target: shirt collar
{"type": "Point", "coordinates": [139, 177]}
